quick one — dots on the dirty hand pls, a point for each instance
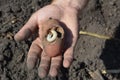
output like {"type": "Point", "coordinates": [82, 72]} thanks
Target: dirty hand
{"type": "Point", "coordinates": [66, 14]}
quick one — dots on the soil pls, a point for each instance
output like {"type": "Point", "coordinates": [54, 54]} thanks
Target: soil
{"type": "Point", "coordinates": [90, 54]}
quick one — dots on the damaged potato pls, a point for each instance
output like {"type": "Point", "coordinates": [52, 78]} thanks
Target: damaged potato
{"type": "Point", "coordinates": [52, 37]}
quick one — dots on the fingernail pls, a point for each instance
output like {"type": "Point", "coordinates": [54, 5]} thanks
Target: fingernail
{"type": "Point", "coordinates": [42, 73]}
{"type": "Point", "coordinates": [53, 72]}
{"type": "Point", "coordinates": [31, 62]}
{"type": "Point", "coordinates": [66, 63]}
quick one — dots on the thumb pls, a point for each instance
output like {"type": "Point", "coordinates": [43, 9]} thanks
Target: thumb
{"type": "Point", "coordinates": [27, 29]}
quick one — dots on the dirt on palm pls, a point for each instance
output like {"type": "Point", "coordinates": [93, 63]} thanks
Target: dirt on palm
{"type": "Point", "coordinates": [90, 55]}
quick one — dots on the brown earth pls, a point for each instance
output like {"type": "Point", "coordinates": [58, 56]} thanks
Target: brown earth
{"type": "Point", "coordinates": [91, 54]}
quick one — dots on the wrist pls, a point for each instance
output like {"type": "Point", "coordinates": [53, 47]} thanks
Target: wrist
{"type": "Point", "coordinates": [77, 4]}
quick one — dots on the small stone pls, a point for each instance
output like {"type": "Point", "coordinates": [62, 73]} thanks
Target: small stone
{"type": "Point", "coordinates": [1, 58]}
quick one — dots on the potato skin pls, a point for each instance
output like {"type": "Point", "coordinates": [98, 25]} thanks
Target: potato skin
{"type": "Point", "coordinates": [54, 48]}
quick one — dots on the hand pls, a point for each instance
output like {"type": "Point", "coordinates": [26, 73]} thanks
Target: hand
{"type": "Point", "coordinates": [50, 65]}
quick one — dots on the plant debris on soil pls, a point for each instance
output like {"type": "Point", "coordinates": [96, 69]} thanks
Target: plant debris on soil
{"type": "Point", "coordinates": [93, 57]}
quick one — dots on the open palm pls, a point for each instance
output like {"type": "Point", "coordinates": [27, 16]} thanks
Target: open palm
{"type": "Point", "coordinates": [50, 65]}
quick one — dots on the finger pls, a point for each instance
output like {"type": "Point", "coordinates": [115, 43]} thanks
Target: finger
{"type": "Point", "coordinates": [27, 29]}
{"type": "Point", "coordinates": [55, 65]}
{"type": "Point", "coordinates": [71, 36]}
{"type": "Point", "coordinates": [68, 57]}
{"type": "Point", "coordinates": [44, 65]}
{"type": "Point", "coordinates": [33, 55]}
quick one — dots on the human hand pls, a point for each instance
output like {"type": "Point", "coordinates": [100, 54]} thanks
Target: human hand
{"type": "Point", "coordinates": [49, 65]}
